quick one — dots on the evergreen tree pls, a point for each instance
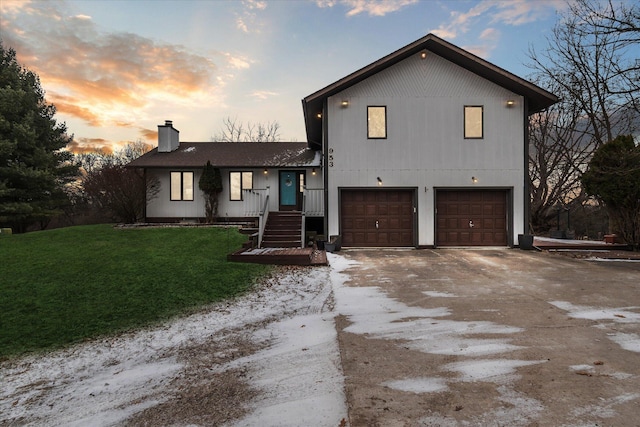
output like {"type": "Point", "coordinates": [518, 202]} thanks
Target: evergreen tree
{"type": "Point", "coordinates": [614, 178]}
{"type": "Point", "coordinates": [211, 185]}
{"type": "Point", "coordinates": [34, 168]}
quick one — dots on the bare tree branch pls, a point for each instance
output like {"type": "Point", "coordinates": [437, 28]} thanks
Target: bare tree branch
{"type": "Point", "coordinates": [234, 131]}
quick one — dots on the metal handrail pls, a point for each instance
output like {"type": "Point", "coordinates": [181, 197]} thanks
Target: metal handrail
{"type": "Point", "coordinates": [303, 243]}
{"type": "Point", "coordinates": [263, 216]}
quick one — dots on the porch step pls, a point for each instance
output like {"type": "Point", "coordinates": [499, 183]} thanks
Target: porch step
{"type": "Point", "coordinates": [283, 230]}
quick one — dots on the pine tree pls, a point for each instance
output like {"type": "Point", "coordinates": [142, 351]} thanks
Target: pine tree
{"type": "Point", "coordinates": [211, 185]}
{"type": "Point", "coordinates": [614, 178]}
{"type": "Point", "coordinates": [33, 165]}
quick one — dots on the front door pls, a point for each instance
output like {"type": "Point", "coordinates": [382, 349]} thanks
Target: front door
{"type": "Point", "coordinates": [291, 185]}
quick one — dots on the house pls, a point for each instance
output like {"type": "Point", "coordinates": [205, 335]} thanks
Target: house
{"type": "Point", "coordinates": [258, 178]}
{"type": "Point", "coordinates": [426, 147]}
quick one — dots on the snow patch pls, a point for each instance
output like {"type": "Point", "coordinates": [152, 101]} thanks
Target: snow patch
{"type": "Point", "coordinates": [497, 371]}
{"type": "Point", "coordinates": [436, 294]}
{"type": "Point", "coordinates": [299, 371]}
{"type": "Point", "coordinates": [418, 385]}
{"type": "Point", "coordinates": [606, 409]}
{"type": "Point", "coordinates": [372, 312]}
{"type": "Point", "coordinates": [618, 315]}
{"type": "Point", "coordinates": [629, 342]}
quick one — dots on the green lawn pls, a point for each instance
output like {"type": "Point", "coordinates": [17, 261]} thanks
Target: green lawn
{"type": "Point", "coordinates": [63, 286]}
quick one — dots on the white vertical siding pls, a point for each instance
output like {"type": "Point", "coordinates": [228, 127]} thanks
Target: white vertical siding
{"type": "Point", "coordinates": [163, 207]}
{"type": "Point", "coordinates": [425, 145]}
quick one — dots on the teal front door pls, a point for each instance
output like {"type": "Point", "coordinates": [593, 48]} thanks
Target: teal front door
{"type": "Point", "coordinates": [290, 195]}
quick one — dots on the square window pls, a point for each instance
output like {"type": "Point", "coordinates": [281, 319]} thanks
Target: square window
{"type": "Point", "coordinates": [182, 186]}
{"type": "Point", "coordinates": [473, 122]}
{"type": "Point", "coordinates": [376, 122]}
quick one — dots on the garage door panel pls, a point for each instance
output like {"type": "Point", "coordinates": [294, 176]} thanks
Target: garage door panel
{"type": "Point", "coordinates": [456, 210]}
{"type": "Point", "coordinates": [391, 209]}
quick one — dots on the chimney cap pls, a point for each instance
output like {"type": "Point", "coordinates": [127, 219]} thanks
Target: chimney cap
{"type": "Point", "coordinates": [168, 122]}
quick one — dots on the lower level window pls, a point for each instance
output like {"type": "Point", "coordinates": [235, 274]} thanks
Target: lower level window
{"type": "Point", "coordinates": [181, 185]}
{"type": "Point", "coordinates": [239, 181]}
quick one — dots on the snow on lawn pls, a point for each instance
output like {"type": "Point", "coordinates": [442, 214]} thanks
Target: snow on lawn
{"type": "Point", "coordinates": [104, 382]}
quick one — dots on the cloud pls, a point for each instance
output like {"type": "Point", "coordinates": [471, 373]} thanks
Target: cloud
{"type": "Point", "coordinates": [263, 94]}
{"type": "Point", "coordinates": [102, 78]}
{"type": "Point", "coordinates": [241, 25]}
{"type": "Point", "coordinates": [15, 6]}
{"type": "Point", "coordinates": [460, 21]}
{"type": "Point", "coordinates": [519, 12]}
{"type": "Point", "coordinates": [370, 7]}
{"type": "Point", "coordinates": [490, 38]}
{"type": "Point", "coordinates": [90, 145]}
{"type": "Point", "coordinates": [248, 21]}
{"type": "Point", "coordinates": [255, 4]}
{"type": "Point", "coordinates": [149, 134]}
{"type": "Point", "coordinates": [513, 12]}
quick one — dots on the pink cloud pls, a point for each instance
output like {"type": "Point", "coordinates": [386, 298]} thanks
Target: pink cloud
{"type": "Point", "coordinates": [98, 77]}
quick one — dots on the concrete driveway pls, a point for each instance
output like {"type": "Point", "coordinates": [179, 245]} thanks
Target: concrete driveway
{"type": "Point", "coordinates": [491, 337]}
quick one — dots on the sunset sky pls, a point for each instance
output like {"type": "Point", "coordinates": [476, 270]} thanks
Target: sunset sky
{"type": "Point", "coordinates": [116, 69]}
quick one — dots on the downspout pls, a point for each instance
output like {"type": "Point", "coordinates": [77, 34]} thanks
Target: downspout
{"type": "Point", "coordinates": [325, 168]}
{"type": "Point", "coordinates": [527, 190]}
{"type": "Point", "coordinates": [146, 194]}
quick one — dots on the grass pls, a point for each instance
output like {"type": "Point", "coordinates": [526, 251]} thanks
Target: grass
{"type": "Point", "coordinates": [67, 285]}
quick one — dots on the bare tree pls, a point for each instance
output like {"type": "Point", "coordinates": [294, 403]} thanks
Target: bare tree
{"type": "Point", "coordinates": [558, 155]}
{"type": "Point", "coordinates": [234, 131]}
{"type": "Point", "coordinates": [620, 24]}
{"type": "Point", "coordinates": [112, 188]}
{"type": "Point", "coordinates": [587, 63]}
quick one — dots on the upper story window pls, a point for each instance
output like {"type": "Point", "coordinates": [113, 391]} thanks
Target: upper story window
{"type": "Point", "coordinates": [473, 122]}
{"type": "Point", "coordinates": [376, 122]}
{"type": "Point", "coordinates": [239, 181]}
{"type": "Point", "coordinates": [182, 186]}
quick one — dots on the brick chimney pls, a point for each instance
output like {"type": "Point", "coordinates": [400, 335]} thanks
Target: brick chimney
{"type": "Point", "coordinates": [168, 137]}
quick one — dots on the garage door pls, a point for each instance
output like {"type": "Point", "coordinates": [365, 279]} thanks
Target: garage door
{"type": "Point", "coordinates": [471, 218]}
{"type": "Point", "coordinates": [377, 217]}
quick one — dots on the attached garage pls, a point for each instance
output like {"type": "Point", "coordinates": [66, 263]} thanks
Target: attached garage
{"type": "Point", "coordinates": [471, 217]}
{"type": "Point", "coordinates": [377, 217]}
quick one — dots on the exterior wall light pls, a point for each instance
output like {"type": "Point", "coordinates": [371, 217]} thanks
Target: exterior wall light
{"type": "Point", "coordinates": [423, 54]}
{"type": "Point", "coordinates": [379, 181]}
{"type": "Point", "coordinates": [313, 171]}
{"type": "Point", "coordinates": [344, 103]}
{"type": "Point", "coordinates": [510, 103]}
{"type": "Point", "coordinates": [319, 115]}
{"type": "Point", "coordinates": [265, 171]}
{"type": "Point", "coordinates": [474, 179]}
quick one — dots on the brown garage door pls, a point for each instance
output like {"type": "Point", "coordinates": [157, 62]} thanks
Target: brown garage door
{"type": "Point", "coordinates": [471, 218]}
{"type": "Point", "coordinates": [377, 217]}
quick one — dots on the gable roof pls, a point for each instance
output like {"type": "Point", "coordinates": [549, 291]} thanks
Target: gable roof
{"type": "Point", "coordinates": [538, 98]}
{"type": "Point", "coordinates": [231, 155]}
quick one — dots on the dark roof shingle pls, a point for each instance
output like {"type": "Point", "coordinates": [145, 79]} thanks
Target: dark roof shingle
{"type": "Point", "coordinates": [231, 155]}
